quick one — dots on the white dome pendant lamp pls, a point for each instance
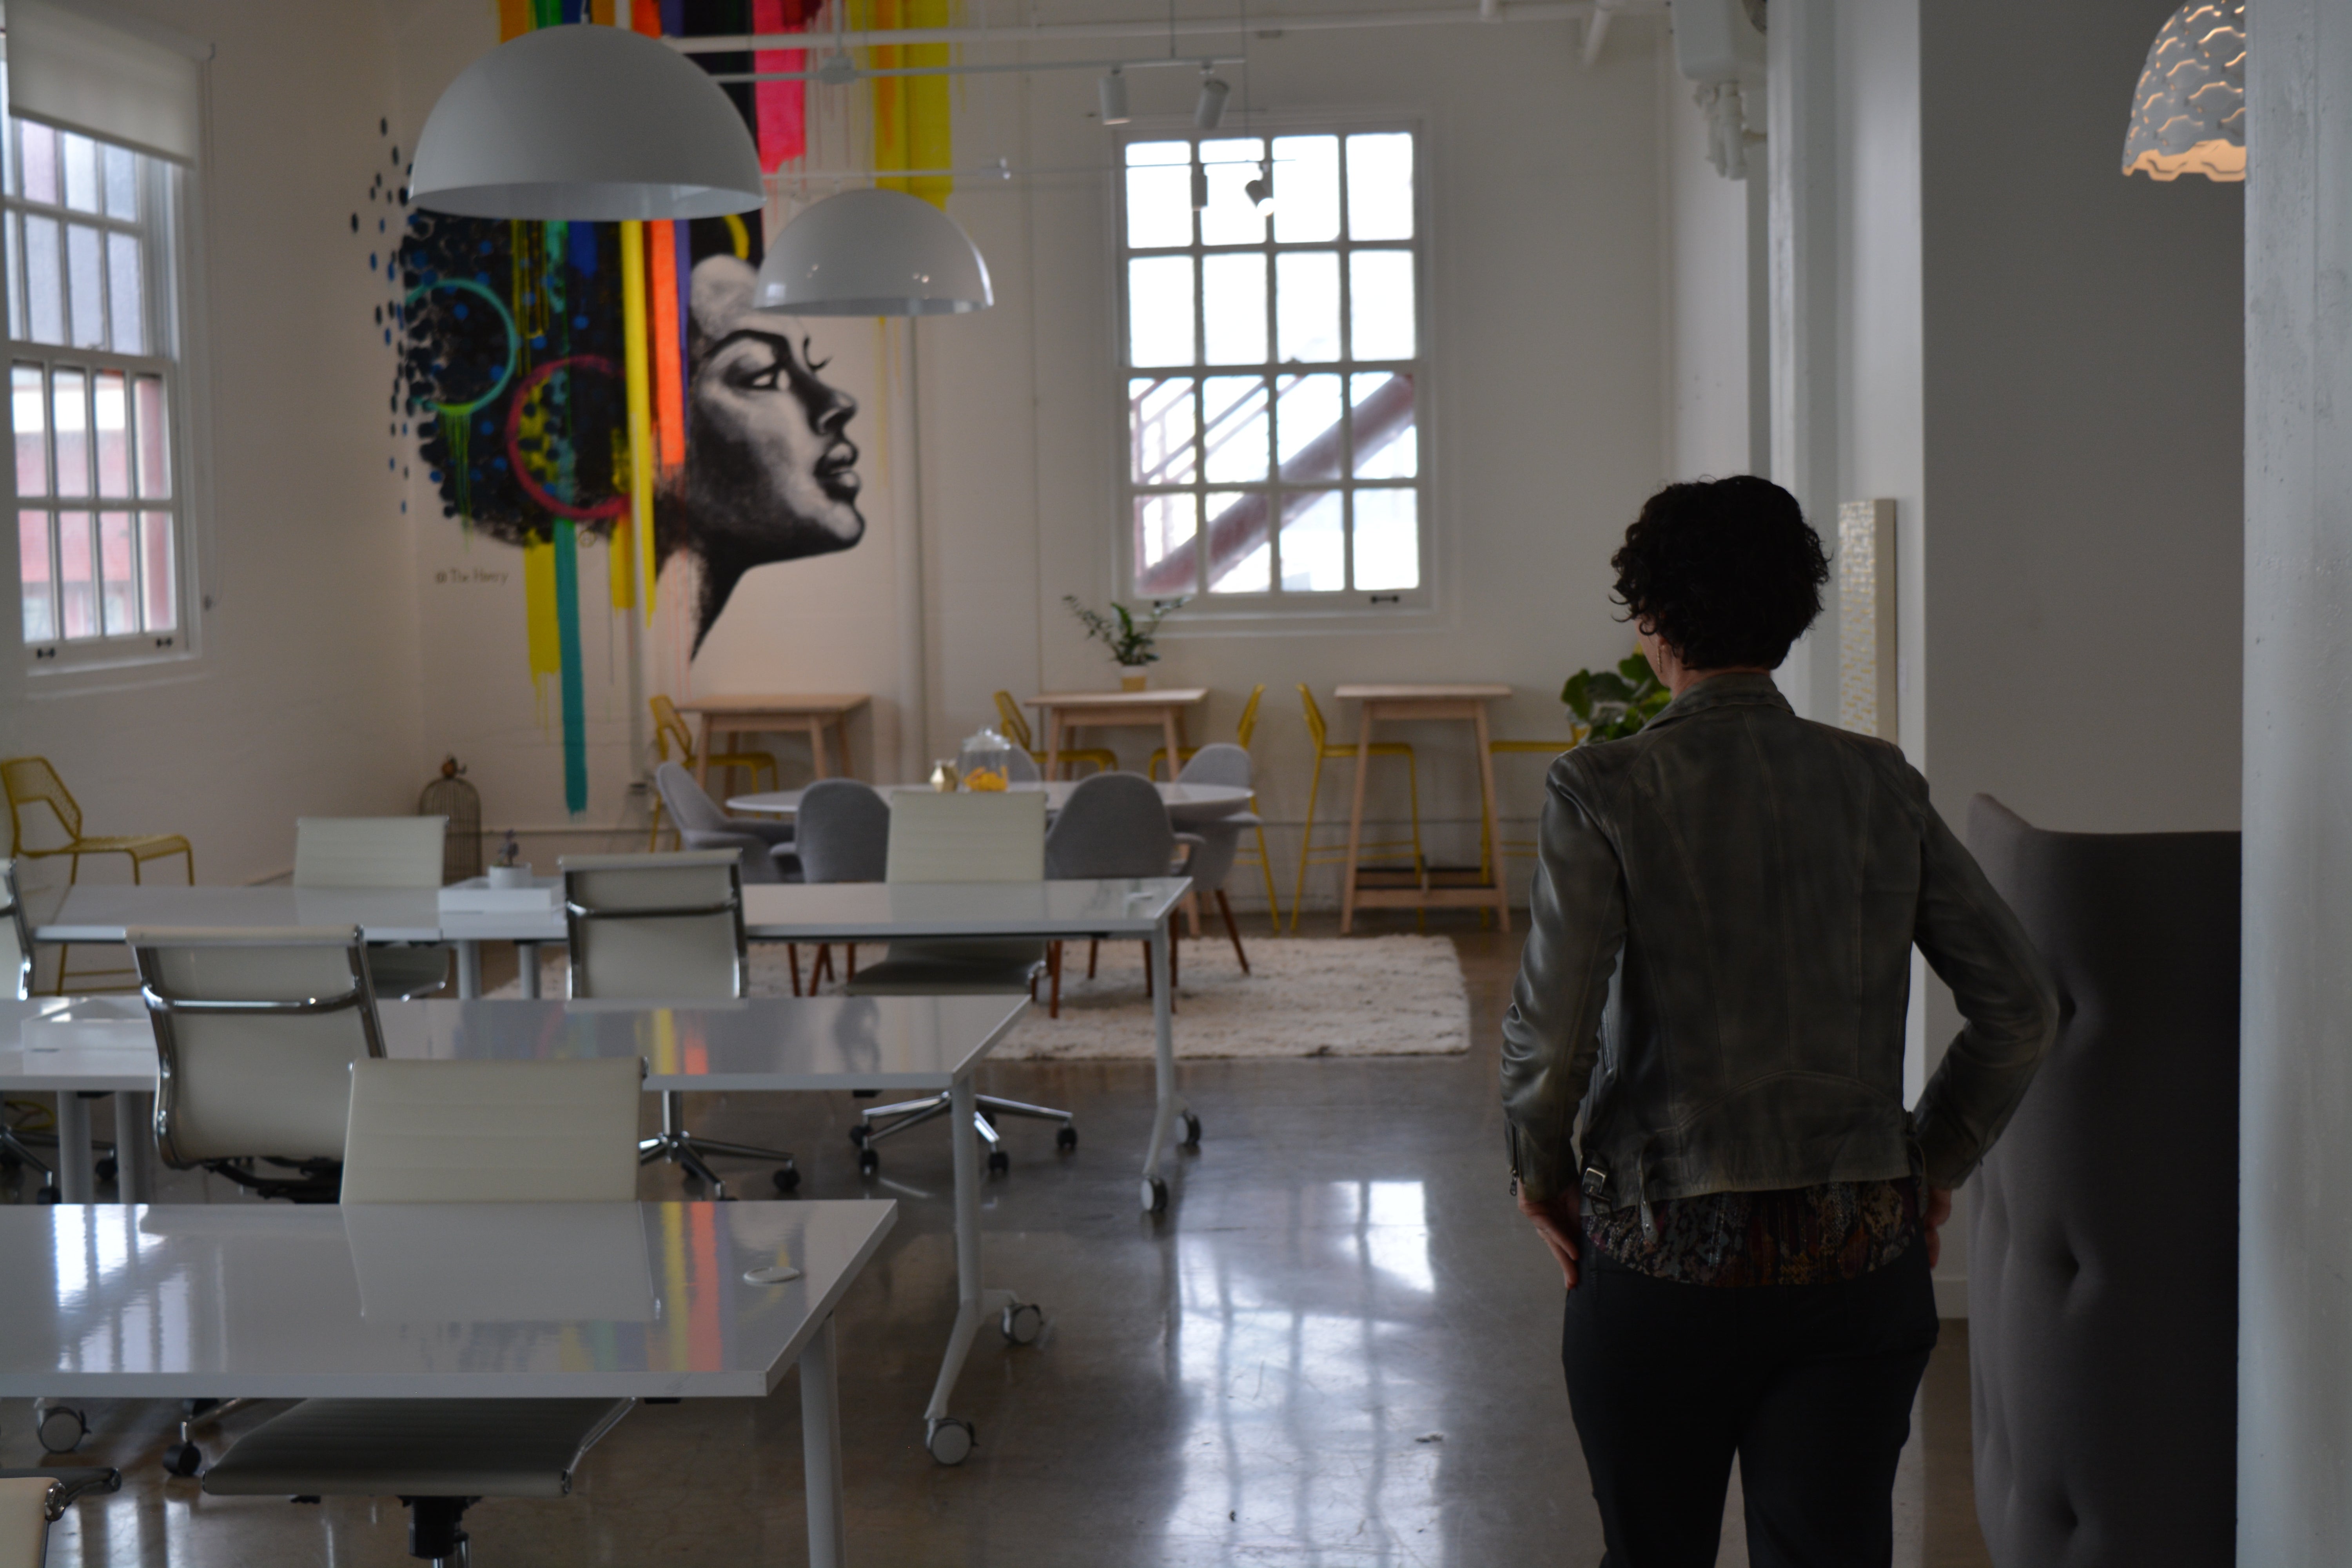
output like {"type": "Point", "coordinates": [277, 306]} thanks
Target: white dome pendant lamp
{"type": "Point", "coordinates": [585, 123]}
{"type": "Point", "coordinates": [2189, 113]}
{"type": "Point", "coordinates": [873, 253]}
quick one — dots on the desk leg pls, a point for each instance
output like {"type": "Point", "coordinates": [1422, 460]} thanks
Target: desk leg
{"type": "Point", "coordinates": [816, 748]}
{"type": "Point", "coordinates": [1053, 744]}
{"type": "Point", "coordinates": [821, 1449]}
{"type": "Point", "coordinates": [77, 1180]}
{"type": "Point", "coordinates": [1164, 1053]}
{"type": "Point", "coordinates": [469, 970]}
{"type": "Point", "coordinates": [1356, 821]}
{"type": "Point", "coordinates": [527, 968]}
{"type": "Point", "coordinates": [948, 1439]}
{"type": "Point", "coordinates": [134, 1148]}
{"type": "Point", "coordinates": [1487, 802]}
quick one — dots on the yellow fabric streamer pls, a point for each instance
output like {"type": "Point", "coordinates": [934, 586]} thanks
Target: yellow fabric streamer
{"type": "Point", "coordinates": [545, 644]}
{"type": "Point", "coordinates": [913, 123]}
{"type": "Point", "coordinates": [642, 457]}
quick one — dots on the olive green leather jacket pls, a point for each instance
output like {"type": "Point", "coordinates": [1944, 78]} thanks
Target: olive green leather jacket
{"type": "Point", "coordinates": [1720, 961]}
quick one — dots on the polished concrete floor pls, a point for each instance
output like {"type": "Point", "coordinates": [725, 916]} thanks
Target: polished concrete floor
{"type": "Point", "coordinates": [1339, 1347]}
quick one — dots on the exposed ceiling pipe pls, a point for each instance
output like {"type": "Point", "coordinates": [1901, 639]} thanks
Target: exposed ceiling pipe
{"type": "Point", "coordinates": [1058, 32]}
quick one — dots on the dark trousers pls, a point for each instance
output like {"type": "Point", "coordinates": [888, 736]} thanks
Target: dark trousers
{"type": "Point", "coordinates": [1810, 1385]}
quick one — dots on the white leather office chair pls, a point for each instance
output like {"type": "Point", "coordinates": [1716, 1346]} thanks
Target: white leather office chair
{"type": "Point", "coordinates": [665, 928]}
{"type": "Point", "coordinates": [379, 852]}
{"type": "Point", "coordinates": [976, 837]}
{"type": "Point", "coordinates": [255, 1034]}
{"type": "Point", "coordinates": [431, 1132]}
{"type": "Point", "coordinates": [32, 1501]}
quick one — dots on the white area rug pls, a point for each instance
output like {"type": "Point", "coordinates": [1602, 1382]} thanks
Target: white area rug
{"type": "Point", "coordinates": [1346, 996]}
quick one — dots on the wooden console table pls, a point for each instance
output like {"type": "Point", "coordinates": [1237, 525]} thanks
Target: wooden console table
{"type": "Point", "coordinates": [1421, 889]}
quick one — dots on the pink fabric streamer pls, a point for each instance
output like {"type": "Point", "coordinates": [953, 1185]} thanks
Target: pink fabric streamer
{"type": "Point", "coordinates": [783, 105]}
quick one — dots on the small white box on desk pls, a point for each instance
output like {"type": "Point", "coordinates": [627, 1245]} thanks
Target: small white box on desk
{"type": "Point", "coordinates": [474, 895]}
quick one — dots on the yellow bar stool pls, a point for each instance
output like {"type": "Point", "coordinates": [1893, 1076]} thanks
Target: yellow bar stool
{"type": "Point", "coordinates": [1015, 726]}
{"type": "Point", "coordinates": [1328, 750]}
{"type": "Point", "coordinates": [1258, 856]}
{"type": "Point", "coordinates": [1521, 848]}
{"type": "Point", "coordinates": [31, 782]}
{"type": "Point", "coordinates": [670, 728]}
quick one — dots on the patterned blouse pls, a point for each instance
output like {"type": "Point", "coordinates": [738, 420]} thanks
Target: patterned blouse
{"type": "Point", "coordinates": [1802, 1236]}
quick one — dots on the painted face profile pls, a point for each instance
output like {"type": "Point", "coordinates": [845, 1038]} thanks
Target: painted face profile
{"type": "Point", "coordinates": [769, 474]}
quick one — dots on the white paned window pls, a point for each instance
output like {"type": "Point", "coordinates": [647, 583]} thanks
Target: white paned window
{"type": "Point", "coordinates": [95, 388]}
{"type": "Point", "coordinates": [1271, 351]}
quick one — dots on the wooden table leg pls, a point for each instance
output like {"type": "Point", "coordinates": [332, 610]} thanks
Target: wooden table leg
{"type": "Point", "coordinates": [841, 734]}
{"type": "Point", "coordinates": [1172, 723]}
{"type": "Point", "coordinates": [816, 746]}
{"type": "Point", "coordinates": [1356, 819]}
{"type": "Point", "coordinates": [1486, 803]}
{"type": "Point", "coordinates": [702, 755]}
{"type": "Point", "coordinates": [1053, 743]}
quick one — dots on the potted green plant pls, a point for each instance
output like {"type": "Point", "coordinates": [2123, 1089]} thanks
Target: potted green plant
{"type": "Point", "coordinates": [1129, 637]}
{"type": "Point", "coordinates": [1613, 703]}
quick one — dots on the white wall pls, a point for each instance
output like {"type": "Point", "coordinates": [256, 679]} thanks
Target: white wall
{"type": "Point", "coordinates": [2294, 1184]}
{"type": "Point", "coordinates": [302, 698]}
{"type": "Point", "coordinates": [1546, 403]}
{"type": "Point", "coordinates": [1710, 411]}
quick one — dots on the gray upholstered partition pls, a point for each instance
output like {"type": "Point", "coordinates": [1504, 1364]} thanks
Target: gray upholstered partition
{"type": "Point", "coordinates": [2102, 1314]}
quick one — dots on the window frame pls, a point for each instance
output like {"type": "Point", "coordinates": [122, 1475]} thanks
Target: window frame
{"type": "Point", "coordinates": [1349, 609]}
{"type": "Point", "coordinates": [167, 233]}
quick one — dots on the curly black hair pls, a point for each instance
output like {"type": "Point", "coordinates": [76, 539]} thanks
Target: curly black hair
{"type": "Point", "coordinates": [1726, 573]}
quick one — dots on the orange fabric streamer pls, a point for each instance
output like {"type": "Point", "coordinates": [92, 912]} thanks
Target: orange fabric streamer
{"type": "Point", "coordinates": [644, 16]}
{"type": "Point", "coordinates": [514, 19]}
{"type": "Point", "coordinates": [669, 375]}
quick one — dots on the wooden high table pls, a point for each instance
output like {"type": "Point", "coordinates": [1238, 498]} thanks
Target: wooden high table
{"type": "Point", "coordinates": [1411, 701]}
{"type": "Point", "coordinates": [1066, 711]}
{"type": "Point", "coordinates": [774, 715]}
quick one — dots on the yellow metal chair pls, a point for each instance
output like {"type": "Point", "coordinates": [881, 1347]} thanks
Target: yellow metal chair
{"type": "Point", "coordinates": [1328, 750]}
{"type": "Point", "coordinates": [29, 782]}
{"type": "Point", "coordinates": [670, 728]}
{"type": "Point", "coordinates": [1016, 729]}
{"type": "Point", "coordinates": [1258, 856]}
{"type": "Point", "coordinates": [1520, 848]}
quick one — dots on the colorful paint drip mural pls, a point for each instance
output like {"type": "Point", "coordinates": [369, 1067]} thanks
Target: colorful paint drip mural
{"type": "Point", "coordinates": [579, 386]}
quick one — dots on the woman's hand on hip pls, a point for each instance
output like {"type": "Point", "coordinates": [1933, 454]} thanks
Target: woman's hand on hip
{"type": "Point", "coordinates": [1932, 1216]}
{"type": "Point", "coordinates": [1556, 1222]}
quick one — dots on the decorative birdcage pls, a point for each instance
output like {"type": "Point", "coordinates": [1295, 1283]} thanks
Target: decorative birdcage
{"type": "Point", "coordinates": [461, 842]}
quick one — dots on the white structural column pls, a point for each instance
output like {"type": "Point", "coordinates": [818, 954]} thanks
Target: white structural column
{"type": "Point", "coordinates": [2295, 1334]}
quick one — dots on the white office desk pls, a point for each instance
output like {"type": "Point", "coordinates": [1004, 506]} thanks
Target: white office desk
{"type": "Point", "coordinates": [439, 1301]}
{"type": "Point", "coordinates": [73, 1046]}
{"type": "Point", "coordinates": [102, 914]}
{"type": "Point", "coordinates": [925, 1044]}
{"type": "Point", "coordinates": [1129, 907]}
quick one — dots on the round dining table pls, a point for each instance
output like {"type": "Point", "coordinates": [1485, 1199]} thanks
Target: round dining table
{"type": "Point", "coordinates": [1186, 802]}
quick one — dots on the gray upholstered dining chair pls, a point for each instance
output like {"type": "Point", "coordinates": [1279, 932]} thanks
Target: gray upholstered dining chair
{"type": "Point", "coordinates": [1220, 836]}
{"type": "Point", "coordinates": [255, 1031]}
{"type": "Point", "coordinates": [984, 837]}
{"type": "Point", "coordinates": [379, 852]}
{"type": "Point", "coordinates": [665, 928]}
{"type": "Point", "coordinates": [844, 837]}
{"type": "Point", "coordinates": [454, 1133]}
{"type": "Point", "coordinates": [1113, 826]}
{"type": "Point", "coordinates": [767, 847]}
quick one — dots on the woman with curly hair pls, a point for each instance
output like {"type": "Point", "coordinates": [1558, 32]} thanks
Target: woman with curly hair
{"type": "Point", "coordinates": [1717, 977]}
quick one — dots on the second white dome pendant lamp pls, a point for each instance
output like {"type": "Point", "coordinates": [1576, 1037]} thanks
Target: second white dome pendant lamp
{"type": "Point", "coordinates": [585, 123]}
{"type": "Point", "coordinates": [873, 252]}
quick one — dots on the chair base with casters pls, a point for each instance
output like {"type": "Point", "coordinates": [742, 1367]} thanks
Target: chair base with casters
{"type": "Point", "coordinates": [877, 1122]}
{"type": "Point", "coordinates": [691, 1150]}
{"type": "Point", "coordinates": [440, 1456]}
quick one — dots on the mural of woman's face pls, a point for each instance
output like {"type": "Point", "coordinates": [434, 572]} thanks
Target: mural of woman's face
{"type": "Point", "coordinates": [769, 474]}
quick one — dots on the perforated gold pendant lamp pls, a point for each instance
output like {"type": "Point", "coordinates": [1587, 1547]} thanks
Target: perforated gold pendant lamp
{"type": "Point", "coordinates": [2189, 113]}
{"type": "Point", "coordinates": [585, 123]}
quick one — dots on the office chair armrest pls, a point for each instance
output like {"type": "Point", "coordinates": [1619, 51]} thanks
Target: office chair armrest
{"type": "Point", "coordinates": [1191, 844]}
{"type": "Point", "coordinates": [71, 1483]}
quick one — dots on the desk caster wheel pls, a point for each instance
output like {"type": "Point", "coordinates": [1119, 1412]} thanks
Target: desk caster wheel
{"type": "Point", "coordinates": [184, 1459]}
{"type": "Point", "coordinates": [61, 1428]}
{"type": "Point", "coordinates": [1155, 1195]}
{"type": "Point", "coordinates": [868, 1161]}
{"type": "Point", "coordinates": [1066, 1140]}
{"type": "Point", "coordinates": [108, 1169]}
{"type": "Point", "coordinates": [788, 1178]}
{"type": "Point", "coordinates": [999, 1161]}
{"type": "Point", "coordinates": [1023, 1321]}
{"type": "Point", "coordinates": [1191, 1131]}
{"type": "Point", "coordinates": [950, 1441]}
{"type": "Point", "coordinates": [857, 1131]}
{"type": "Point", "coordinates": [48, 1195]}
